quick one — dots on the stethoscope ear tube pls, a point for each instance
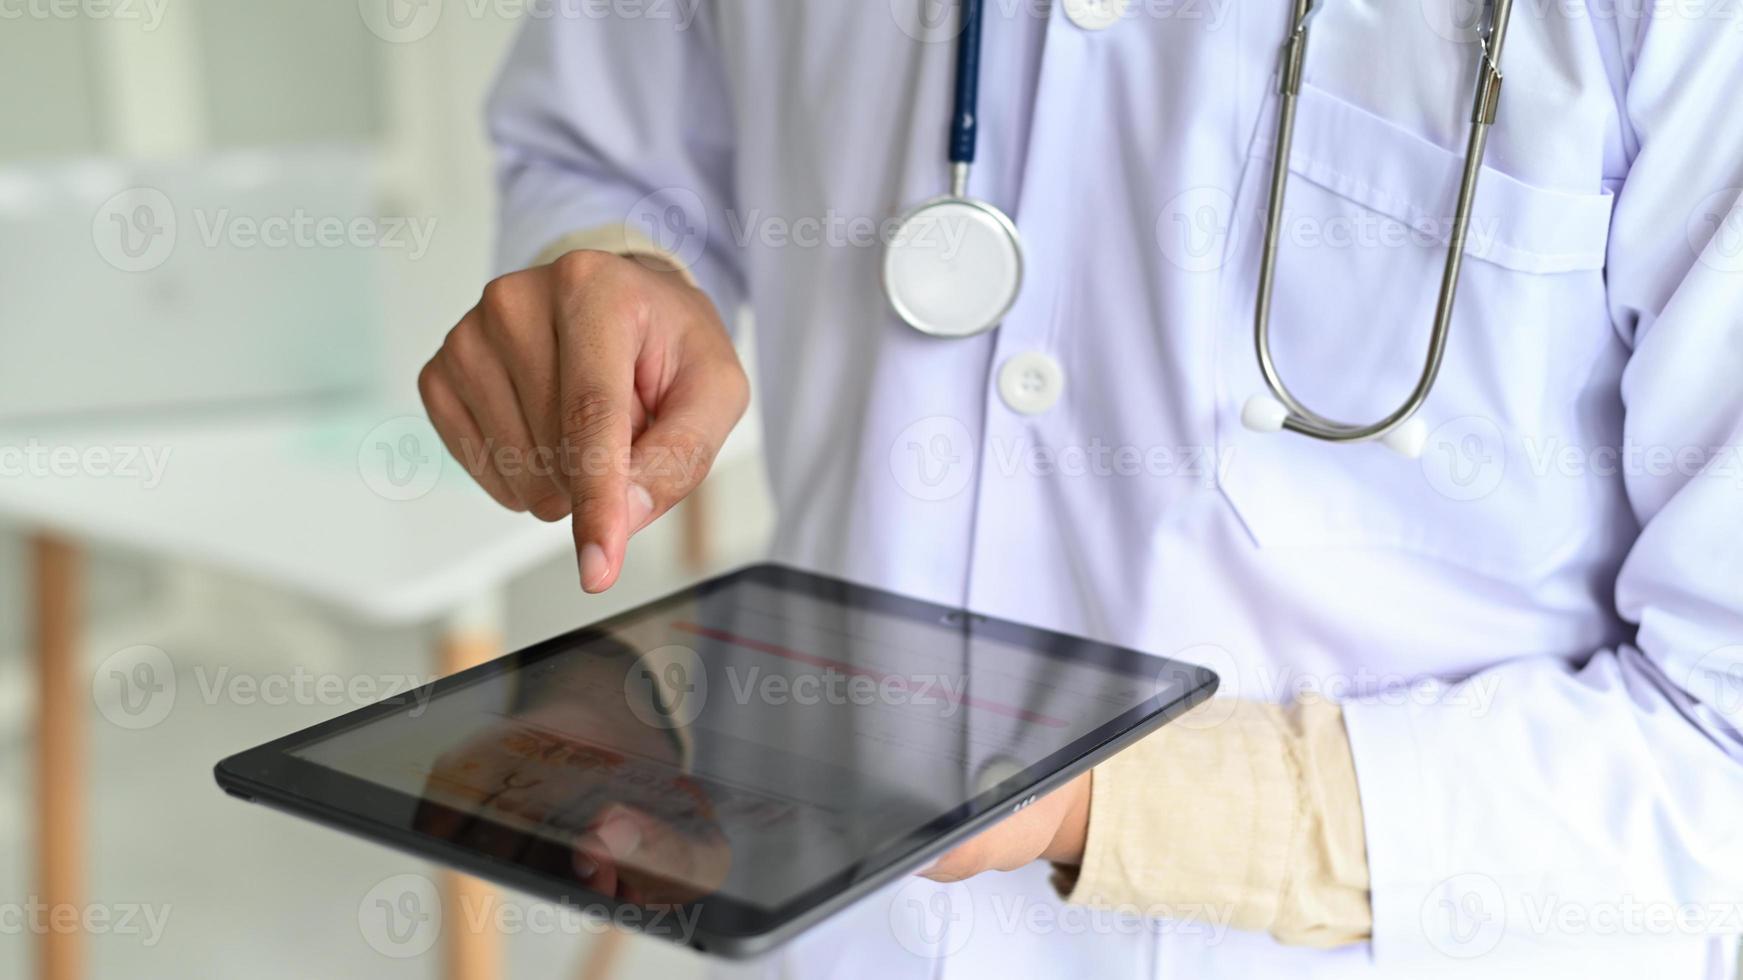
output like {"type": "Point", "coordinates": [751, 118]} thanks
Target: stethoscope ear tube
{"type": "Point", "coordinates": [1400, 430]}
{"type": "Point", "coordinates": [964, 126]}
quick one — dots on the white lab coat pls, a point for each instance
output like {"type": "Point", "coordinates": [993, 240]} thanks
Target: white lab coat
{"type": "Point", "coordinates": [1565, 560]}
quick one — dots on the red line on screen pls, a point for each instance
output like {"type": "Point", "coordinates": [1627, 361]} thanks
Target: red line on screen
{"type": "Point", "coordinates": [787, 653]}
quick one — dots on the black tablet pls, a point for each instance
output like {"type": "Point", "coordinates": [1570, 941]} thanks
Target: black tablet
{"type": "Point", "coordinates": [730, 763]}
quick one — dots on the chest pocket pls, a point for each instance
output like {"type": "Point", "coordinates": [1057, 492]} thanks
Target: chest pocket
{"type": "Point", "coordinates": [1360, 258]}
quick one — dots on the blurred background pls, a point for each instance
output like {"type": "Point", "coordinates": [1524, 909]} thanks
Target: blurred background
{"type": "Point", "coordinates": [230, 234]}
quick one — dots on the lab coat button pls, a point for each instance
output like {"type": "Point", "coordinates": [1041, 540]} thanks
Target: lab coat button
{"type": "Point", "coordinates": [1095, 15]}
{"type": "Point", "coordinates": [1031, 383]}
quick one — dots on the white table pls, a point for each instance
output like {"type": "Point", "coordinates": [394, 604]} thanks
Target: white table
{"type": "Point", "coordinates": [360, 507]}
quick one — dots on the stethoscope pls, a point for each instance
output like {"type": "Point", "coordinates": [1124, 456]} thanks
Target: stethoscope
{"type": "Point", "coordinates": [954, 266]}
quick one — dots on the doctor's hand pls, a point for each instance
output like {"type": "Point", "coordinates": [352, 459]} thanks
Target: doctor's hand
{"type": "Point", "coordinates": [597, 386]}
{"type": "Point", "coordinates": [1052, 828]}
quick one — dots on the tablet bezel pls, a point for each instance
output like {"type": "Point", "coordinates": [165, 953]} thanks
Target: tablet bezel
{"type": "Point", "coordinates": [718, 924]}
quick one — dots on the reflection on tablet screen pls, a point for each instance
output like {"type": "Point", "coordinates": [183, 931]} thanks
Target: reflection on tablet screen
{"type": "Point", "coordinates": [752, 742]}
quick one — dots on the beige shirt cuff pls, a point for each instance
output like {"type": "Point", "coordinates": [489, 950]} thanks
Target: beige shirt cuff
{"type": "Point", "coordinates": [1239, 813]}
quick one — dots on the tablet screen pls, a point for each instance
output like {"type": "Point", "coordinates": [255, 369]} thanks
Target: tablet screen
{"type": "Point", "coordinates": [751, 741]}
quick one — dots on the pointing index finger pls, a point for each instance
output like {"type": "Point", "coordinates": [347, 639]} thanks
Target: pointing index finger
{"type": "Point", "coordinates": [597, 349]}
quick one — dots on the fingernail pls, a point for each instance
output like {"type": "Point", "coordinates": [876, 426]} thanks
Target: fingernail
{"type": "Point", "coordinates": [641, 506]}
{"type": "Point", "coordinates": [585, 866]}
{"type": "Point", "coordinates": [593, 567]}
{"type": "Point", "coordinates": [621, 836]}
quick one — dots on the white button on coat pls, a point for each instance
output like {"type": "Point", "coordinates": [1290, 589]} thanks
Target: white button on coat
{"type": "Point", "coordinates": [1031, 383]}
{"type": "Point", "coordinates": [1095, 15]}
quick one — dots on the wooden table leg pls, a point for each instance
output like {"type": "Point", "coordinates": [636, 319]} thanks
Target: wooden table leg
{"type": "Point", "coordinates": [603, 955]}
{"type": "Point", "coordinates": [60, 756]}
{"type": "Point", "coordinates": [470, 946]}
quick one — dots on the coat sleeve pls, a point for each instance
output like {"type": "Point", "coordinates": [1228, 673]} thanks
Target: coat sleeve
{"type": "Point", "coordinates": [618, 127]}
{"type": "Point", "coordinates": [1601, 801]}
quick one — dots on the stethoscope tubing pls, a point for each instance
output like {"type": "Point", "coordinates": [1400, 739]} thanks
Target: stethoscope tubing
{"type": "Point", "coordinates": [1300, 418]}
{"type": "Point", "coordinates": [965, 124]}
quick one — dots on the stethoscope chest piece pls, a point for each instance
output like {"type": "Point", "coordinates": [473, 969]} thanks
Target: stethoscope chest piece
{"type": "Point", "coordinates": [954, 267]}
